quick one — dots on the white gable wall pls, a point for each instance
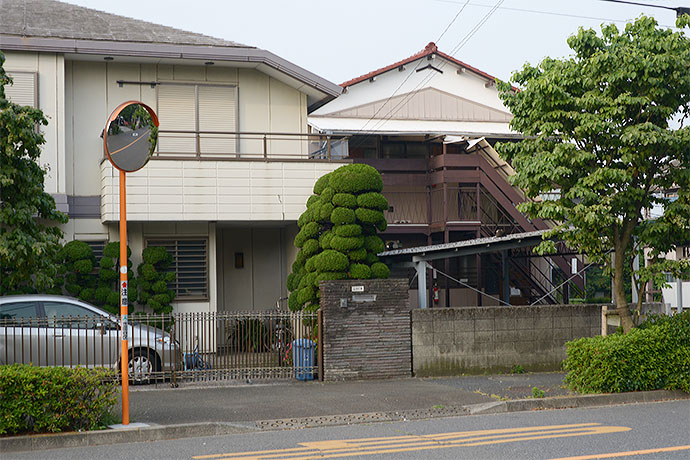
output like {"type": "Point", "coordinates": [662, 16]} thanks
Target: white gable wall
{"type": "Point", "coordinates": [466, 84]}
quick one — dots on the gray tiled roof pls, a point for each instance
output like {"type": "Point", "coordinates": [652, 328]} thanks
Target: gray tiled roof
{"type": "Point", "coordinates": [53, 19]}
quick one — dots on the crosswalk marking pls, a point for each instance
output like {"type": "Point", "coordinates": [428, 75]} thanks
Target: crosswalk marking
{"type": "Point", "coordinates": [394, 444]}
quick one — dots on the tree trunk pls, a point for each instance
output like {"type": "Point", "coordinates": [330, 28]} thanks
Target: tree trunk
{"type": "Point", "coordinates": [619, 295]}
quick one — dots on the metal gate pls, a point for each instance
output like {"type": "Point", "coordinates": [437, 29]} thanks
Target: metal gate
{"type": "Point", "coordinates": [174, 347]}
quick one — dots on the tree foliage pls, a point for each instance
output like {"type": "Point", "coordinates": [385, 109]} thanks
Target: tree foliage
{"type": "Point", "coordinates": [596, 129]}
{"type": "Point", "coordinates": [29, 240]}
{"type": "Point", "coordinates": [337, 237]}
{"type": "Point", "coordinates": [154, 278]}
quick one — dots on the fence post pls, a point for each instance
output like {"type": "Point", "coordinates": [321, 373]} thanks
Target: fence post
{"type": "Point", "coordinates": [265, 149]}
{"type": "Point", "coordinates": [604, 322]}
{"type": "Point", "coordinates": [319, 325]}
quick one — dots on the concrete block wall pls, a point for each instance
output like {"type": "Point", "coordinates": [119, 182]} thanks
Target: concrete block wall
{"type": "Point", "coordinates": [452, 341]}
{"type": "Point", "coordinates": [366, 340]}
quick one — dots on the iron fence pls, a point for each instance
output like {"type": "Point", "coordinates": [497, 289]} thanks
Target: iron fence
{"type": "Point", "coordinates": [174, 347]}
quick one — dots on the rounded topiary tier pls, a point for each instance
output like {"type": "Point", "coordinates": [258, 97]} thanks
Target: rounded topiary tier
{"type": "Point", "coordinates": [337, 237]}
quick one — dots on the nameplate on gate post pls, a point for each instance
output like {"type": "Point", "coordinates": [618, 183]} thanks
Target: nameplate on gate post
{"type": "Point", "coordinates": [357, 288]}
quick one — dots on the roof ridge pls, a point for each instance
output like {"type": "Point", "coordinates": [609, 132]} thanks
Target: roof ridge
{"type": "Point", "coordinates": [429, 49]}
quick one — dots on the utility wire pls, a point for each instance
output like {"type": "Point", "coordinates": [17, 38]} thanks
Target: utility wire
{"type": "Point", "coordinates": [428, 78]}
{"type": "Point", "coordinates": [471, 287]}
{"type": "Point", "coordinates": [362, 129]}
{"type": "Point", "coordinates": [550, 13]}
{"type": "Point", "coordinates": [564, 282]}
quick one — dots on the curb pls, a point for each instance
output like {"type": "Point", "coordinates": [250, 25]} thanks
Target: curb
{"type": "Point", "coordinates": [167, 432]}
{"type": "Point", "coordinates": [570, 402]}
{"type": "Point", "coordinates": [125, 435]}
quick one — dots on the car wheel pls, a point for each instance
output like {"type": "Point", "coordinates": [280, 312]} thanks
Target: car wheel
{"type": "Point", "coordinates": [142, 363]}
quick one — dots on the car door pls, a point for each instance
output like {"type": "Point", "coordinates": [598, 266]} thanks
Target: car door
{"type": "Point", "coordinates": [20, 333]}
{"type": "Point", "coordinates": [83, 337]}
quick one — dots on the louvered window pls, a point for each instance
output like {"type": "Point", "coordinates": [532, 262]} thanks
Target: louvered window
{"type": "Point", "coordinates": [23, 90]}
{"type": "Point", "coordinates": [190, 263]}
{"type": "Point", "coordinates": [97, 248]}
{"type": "Point", "coordinates": [194, 108]}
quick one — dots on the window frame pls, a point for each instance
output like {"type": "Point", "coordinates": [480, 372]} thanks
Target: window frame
{"type": "Point", "coordinates": [157, 240]}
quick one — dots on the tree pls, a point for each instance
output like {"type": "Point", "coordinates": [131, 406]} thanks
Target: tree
{"type": "Point", "coordinates": [107, 293]}
{"type": "Point", "coordinates": [337, 237]}
{"type": "Point", "coordinates": [596, 129]}
{"type": "Point", "coordinates": [29, 240]}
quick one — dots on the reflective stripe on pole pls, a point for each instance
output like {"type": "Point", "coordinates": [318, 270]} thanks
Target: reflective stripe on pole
{"type": "Point", "coordinates": [124, 354]}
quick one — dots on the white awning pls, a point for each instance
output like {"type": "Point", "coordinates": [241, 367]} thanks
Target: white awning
{"type": "Point", "coordinates": [472, 129]}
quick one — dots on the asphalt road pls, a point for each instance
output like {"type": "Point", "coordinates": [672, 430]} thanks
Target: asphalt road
{"type": "Point", "coordinates": [641, 431]}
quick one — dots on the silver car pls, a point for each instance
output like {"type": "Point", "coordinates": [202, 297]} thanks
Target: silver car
{"type": "Point", "coordinates": [48, 330]}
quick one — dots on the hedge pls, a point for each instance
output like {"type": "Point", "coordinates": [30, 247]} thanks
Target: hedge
{"type": "Point", "coordinates": [654, 356]}
{"type": "Point", "coordinates": [54, 399]}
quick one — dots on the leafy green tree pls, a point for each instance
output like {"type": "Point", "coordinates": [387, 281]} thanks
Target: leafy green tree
{"type": "Point", "coordinates": [154, 278]}
{"type": "Point", "coordinates": [596, 129]}
{"type": "Point", "coordinates": [29, 242]}
{"type": "Point", "coordinates": [337, 237]}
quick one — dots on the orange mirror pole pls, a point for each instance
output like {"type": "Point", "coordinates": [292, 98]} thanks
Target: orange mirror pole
{"type": "Point", "coordinates": [124, 360]}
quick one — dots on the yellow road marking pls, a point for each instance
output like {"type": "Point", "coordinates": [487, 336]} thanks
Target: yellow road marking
{"type": "Point", "coordinates": [393, 444]}
{"type": "Point", "coordinates": [626, 454]}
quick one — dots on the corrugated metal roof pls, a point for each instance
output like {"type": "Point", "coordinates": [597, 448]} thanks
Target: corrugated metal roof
{"type": "Point", "coordinates": [53, 19]}
{"type": "Point", "coordinates": [462, 244]}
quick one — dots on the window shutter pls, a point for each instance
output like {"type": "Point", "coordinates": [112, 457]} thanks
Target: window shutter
{"type": "Point", "coordinates": [190, 264]}
{"type": "Point", "coordinates": [177, 111]}
{"type": "Point", "coordinates": [218, 112]}
{"type": "Point", "coordinates": [23, 89]}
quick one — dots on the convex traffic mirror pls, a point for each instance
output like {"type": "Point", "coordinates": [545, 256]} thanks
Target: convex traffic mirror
{"type": "Point", "coordinates": [130, 136]}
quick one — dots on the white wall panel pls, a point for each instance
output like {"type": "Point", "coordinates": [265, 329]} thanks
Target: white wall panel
{"type": "Point", "coordinates": [193, 191]}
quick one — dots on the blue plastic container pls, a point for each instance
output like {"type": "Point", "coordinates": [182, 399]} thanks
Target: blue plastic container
{"type": "Point", "coordinates": [303, 351]}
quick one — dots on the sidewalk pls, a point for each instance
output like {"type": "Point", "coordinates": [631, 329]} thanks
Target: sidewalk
{"type": "Point", "coordinates": [208, 409]}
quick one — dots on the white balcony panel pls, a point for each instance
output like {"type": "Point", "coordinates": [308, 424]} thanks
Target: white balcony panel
{"type": "Point", "coordinates": [193, 191]}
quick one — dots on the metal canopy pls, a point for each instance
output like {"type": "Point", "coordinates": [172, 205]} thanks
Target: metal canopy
{"type": "Point", "coordinates": [419, 256]}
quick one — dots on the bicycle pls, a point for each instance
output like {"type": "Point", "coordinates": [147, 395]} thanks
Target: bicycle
{"type": "Point", "coordinates": [193, 361]}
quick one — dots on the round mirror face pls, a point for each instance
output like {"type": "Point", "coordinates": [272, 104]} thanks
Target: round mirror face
{"type": "Point", "coordinates": [131, 136]}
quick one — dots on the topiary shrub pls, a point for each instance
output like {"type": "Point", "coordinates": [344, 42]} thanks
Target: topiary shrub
{"type": "Point", "coordinates": [107, 291]}
{"type": "Point", "coordinates": [78, 264]}
{"type": "Point", "coordinates": [154, 277]}
{"type": "Point", "coordinates": [337, 237]}
{"type": "Point", "coordinates": [653, 356]}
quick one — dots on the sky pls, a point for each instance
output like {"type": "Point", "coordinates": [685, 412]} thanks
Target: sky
{"type": "Point", "coordinates": [341, 40]}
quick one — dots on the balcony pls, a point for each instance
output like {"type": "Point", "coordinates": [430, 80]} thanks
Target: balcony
{"type": "Point", "coordinates": [224, 176]}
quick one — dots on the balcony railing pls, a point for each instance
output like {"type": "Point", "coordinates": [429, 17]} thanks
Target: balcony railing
{"type": "Point", "coordinates": [229, 145]}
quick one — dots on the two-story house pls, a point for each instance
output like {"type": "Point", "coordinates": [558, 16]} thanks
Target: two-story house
{"type": "Point", "coordinates": [428, 123]}
{"type": "Point", "coordinates": [234, 164]}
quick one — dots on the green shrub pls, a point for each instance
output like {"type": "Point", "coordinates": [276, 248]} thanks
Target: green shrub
{"type": "Point", "coordinates": [380, 270]}
{"type": "Point", "coordinates": [651, 357]}
{"type": "Point", "coordinates": [360, 272]}
{"type": "Point", "coordinates": [369, 216]}
{"type": "Point", "coordinates": [357, 255]}
{"type": "Point", "coordinates": [77, 263]}
{"type": "Point", "coordinates": [346, 244]}
{"type": "Point", "coordinates": [374, 244]}
{"type": "Point", "coordinates": [154, 270]}
{"type": "Point", "coordinates": [311, 247]}
{"type": "Point", "coordinates": [321, 184]}
{"type": "Point", "coordinates": [54, 399]}
{"type": "Point", "coordinates": [348, 230]}
{"type": "Point", "coordinates": [343, 216]}
{"type": "Point", "coordinates": [372, 200]}
{"type": "Point", "coordinates": [356, 178]}
{"type": "Point", "coordinates": [327, 195]}
{"type": "Point", "coordinates": [331, 261]}
{"type": "Point", "coordinates": [325, 239]}
{"type": "Point", "coordinates": [325, 212]}
{"type": "Point", "coordinates": [109, 275]}
{"type": "Point", "coordinates": [312, 199]}
{"type": "Point", "coordinates": [346, 200]}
